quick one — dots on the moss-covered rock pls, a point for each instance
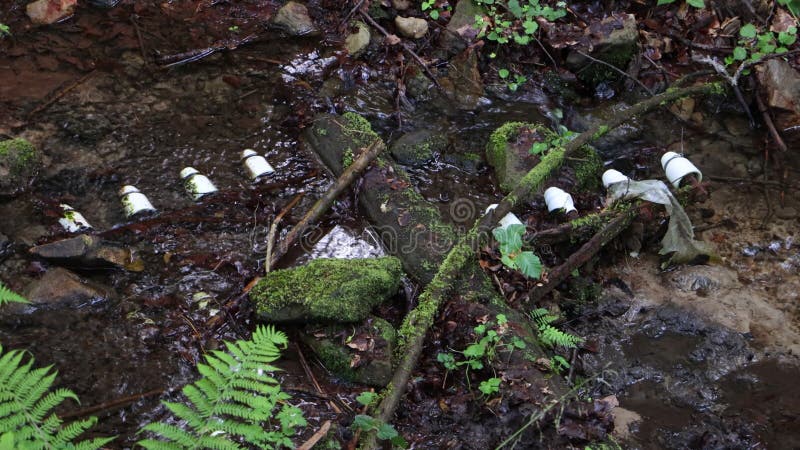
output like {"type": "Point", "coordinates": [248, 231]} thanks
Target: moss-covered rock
{"type": "Point", "coordinates": [333, 290]}
{"type": "Point", "coordinates": [612, 40]}
{"type": "Point", "coordinates": [412, 227]}
{"type": "Point", "coordinates": [19, 163]}
{"type": "Point", "coordinates": [418, 147]}
{"type": "Point", "coordinates": [508, 151]}
{"type": "Point", "coordinates": [359, 354]}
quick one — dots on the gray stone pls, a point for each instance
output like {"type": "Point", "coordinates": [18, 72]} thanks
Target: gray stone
{"type": "Point", "coordinates": [294, 19]}
{"type": "Point", "coordinates": [612, 40]}
{"type": "Point", "coordinates": [418, 147]}
{"type": "Point", "coordinates": [85, 250]}
{"type": "Point", "coordinates": [781, 84]}
{"type": "Point", "coordinates": [19, 164]}
{"type": "Point", "coordinates": [411, 27]}
{"type": "Point", "coordinates": [356, 42]}
{"type": "Point", "coordinates": [61, 288]}
{"type": "Point", "coordinates": [461, 29]}
{"type": "Point", "coordinates": [401, 5]}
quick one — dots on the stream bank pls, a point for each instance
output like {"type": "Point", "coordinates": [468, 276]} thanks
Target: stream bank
{"type": "Point", "coordinates": [686, 341]}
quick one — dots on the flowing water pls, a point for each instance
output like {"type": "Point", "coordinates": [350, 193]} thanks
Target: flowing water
{"type": "Point", "coordinates": [126, 121]}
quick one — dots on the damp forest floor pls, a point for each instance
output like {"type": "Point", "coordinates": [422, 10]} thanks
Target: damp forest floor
{"type": "Point", "coordinates": [696, 356]}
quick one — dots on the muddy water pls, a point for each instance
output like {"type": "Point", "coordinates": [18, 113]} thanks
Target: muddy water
{"type": "Point", "coordinates": [692, 382]}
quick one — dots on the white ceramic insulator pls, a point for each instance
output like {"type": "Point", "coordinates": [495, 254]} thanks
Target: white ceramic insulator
{"type": "Point", "coordinates": [72, 220]}
{"type": "Point", "coordinates": [612, 176]}
{"type": "Point", "coordinates": [556, 198]}
{"type": "Point", "coordinates": [508, 219]}
{"type": "Point", "coordinates": [255, 164]}
{"type": "Point", "coordinates": [134, 201]}
{"type": "Point", "coordinates": [196, 183]}
{"type": "Point", "coordinates": [676, 167]}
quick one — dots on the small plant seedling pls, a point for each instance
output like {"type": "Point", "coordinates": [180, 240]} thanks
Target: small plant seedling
{"type": "Point", "coordinates": [490, 386]}
{"type": "Point", "coordinates": [385, 431]}
{"type": "Point", "coordinates": [4, 30]}
{"type": "Point", "coordinates": [366, 398]}
{"type": "Point", "coordinates": [511, 253]}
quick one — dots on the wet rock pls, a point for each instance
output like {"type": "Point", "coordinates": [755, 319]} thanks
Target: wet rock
{"type": "Point", "coordinates": [610, 142]}
{"type": "Point", "coordinates": [781, 84]}
{"type": "Point", "coordinates": [703, 280]}
{"type": "Point", "coordinates": [463, 84]}
{"type": "Point", "coordinates": [332, 290]}
{"type": "Point", "coordinates": [356, 42]}
{"type": "Point", "coordinates": [461, 29]}
{"type": "Point", "coordinates": [612, 40]}
{"type": "Point", "coordinates": [508, 152]}
{"type": "Point", "coordinates": [411, 27]}
{"type": "Point", "coordinates": [470, 163]}
{"type": "Point", "coordinates": [401, 5]}
{"type": "Point", "coordinates": [294, 19]}
{"type": "Point", "coordinates": [412, 228]}
{"type": "Point", "coordinates": [44, 12]}
{"type": "Point", "coordinates": [361, 354]}
{"type": "Point", "coordinates": [787, 213]}
{"type": "Point", "coordinates": [61, 288]}
{"type": "Point", "coordinates": [418, 147]}
{"type": "Point", "coordinates": [19, 164]}
{"type": "Point", "coordinates": [85, 250]}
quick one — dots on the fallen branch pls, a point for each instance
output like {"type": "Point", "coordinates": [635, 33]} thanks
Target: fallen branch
{"type": "Point", "coordinates": [408, 50]}
{"type": "Point", "coordinates": [421, 318]}
{"type": "Point", "coordinates": [583, 255]}
{"type": "Point", "coordinates": [312, 441]}
{"type": "Point", "coordinates": [324, 203]}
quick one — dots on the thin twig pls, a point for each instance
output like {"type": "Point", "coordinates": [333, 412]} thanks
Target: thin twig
{"type": "Point", "coordinates": [312, 441]}
{"type": "Point", "coordinates": [111, 404]}
{"type": "Point", "coordinates": [273, 230]}
{"type": "Point", "coordinates": [139, 37]}
{"type": "Point", "coordinates": [322, 205]}
{"type": "Point", "coordinates": [413, 54]}
{"type": "Point", "coordinates": [310, 375]}
{"type": "Point", "coordinates": [60, 94]}
{"type": "Point", "coordinates": [618, 70]}
{"type": "Point", "coordinates": [762, 108]}
{"type": "Point", "coordinates": [350, 14]}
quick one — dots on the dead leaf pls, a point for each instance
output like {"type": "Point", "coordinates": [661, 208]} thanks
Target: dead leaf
{"type": "Point", "coordinates": [392, 39]}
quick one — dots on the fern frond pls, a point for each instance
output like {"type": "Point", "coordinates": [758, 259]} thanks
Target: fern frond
{"type": "Point", "coordinates": [232, 404]}
{"type": "Point", "coordinates": [9, 296]}
{"type": "Point", "coordinates": [27, 402]}
{"type": "Point", "coordinates": [552, 337]}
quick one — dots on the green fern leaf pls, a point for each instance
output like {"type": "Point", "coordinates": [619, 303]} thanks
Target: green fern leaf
{"type": "Point", "coordinates": [233, 402]}
{"type": "Point", "coordinates": [9, 296]}
{"type": "Point", "coordinates": [26, 404]}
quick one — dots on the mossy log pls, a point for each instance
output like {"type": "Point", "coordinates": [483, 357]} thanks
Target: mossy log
{"type": "Point", "coordinates": [418, 321]}
{"type": "Point", "coordinates": [411, 228]}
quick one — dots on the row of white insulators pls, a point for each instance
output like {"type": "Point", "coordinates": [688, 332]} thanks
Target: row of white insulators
{"type": "Point", "coordinates": [675, 166]}
{"type": "Point", "coordinates": [197, 185]}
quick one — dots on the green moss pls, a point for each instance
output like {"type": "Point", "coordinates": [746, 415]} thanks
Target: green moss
{"type": "Point", "coordinates": [594, 221]}
{"type": "Point", "coordinates": [338, 290]}
{"type": "Point", "coordinates": [322, 131]}
{"type": "Point", "coordinates": [358, 129]}
{"type": "Point", "coordinates": [348, 157]}
{"type": "Point", "coordinates": [18, 155]}
{"type": "Point", "coordinates": [588, 171]}
{"type": "Point", "coordinates": [498, 143]}
{"type": "Point", "coordinates": [536, 177]}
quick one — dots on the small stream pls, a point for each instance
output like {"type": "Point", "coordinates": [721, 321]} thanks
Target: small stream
{"type": "Point", "coordinates": [130, 123]}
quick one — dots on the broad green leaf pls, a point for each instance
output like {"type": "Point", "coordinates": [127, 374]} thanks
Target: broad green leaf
{"type": "Point", "coordinates": [514, 8]}
{"type": "Point", "coordinates": [386, 431]}
{"type": "Point", "coordinates": [365, 422]}
{"type": "Point", "coordinates": [786, 38]}
{"type": "Point", "coordinates": [739, 53]}
{"type": "Point", "coordinates": [748, 31]}
{"type": "Point", "coordinates": [529, 264]}
{"type": "Point", "coordinates": [503, 73]}
{"type": "Point", "coordinates": [539, 147]}
{"type": "Point", "coordinates": [696, 3]}
{"type": "Point", "coordinates": [530, 26]}
{"type": "Point", "coordinates": [664, 2]}
{"type": "Point", "coordinates": [366, 397]}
